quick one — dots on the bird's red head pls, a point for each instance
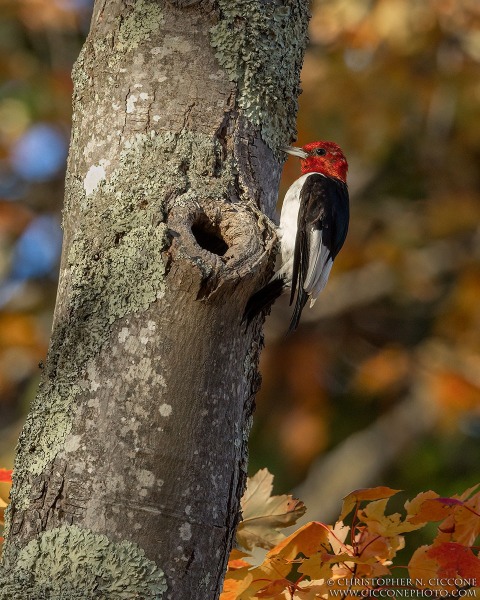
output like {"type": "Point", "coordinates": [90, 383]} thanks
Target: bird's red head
{"type": "Point", "coordinates": [322, 157]}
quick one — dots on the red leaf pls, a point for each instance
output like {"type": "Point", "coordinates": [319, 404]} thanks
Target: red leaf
{"type": "Point", "coordinates": [454, 559]}
{"type": "Point", "coordinates": [448, 501]}
{"type": "Point", "coordinates": [6, 475]}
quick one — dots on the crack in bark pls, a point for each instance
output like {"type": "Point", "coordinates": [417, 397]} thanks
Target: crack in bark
{"type": "Point", "coordinates": [149, 109]}
{"type": "Point", "coordinates": [170, 514]}
{"type": "Point", "coordinates": [184, 3]}
{"type": "Point", "coordinates": [186, 116]}
{"type": "Point", "coordinates": [125, 113]}
{"type": "Point", "coordinates": [190, 560]}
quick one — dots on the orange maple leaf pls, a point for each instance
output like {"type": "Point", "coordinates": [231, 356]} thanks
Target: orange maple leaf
{"type": "Point", "coordinates": [308, 590]}
{"type": "Point", "coordinates": [373, 515]}
{"type": "Point", "coordinates": [463, 524]}
{"type": "Point", "coordinates": [270, 578]}
{"type": "Point", "coordinates": [274, 589]}
{"type": "Point", "coordinates": [413, 506]}
{"type": "Point", "coordinates": [357, 496]}
{"type": "Point", "coordinates": [371, 546]}
{"type": "Point", "coordinates": [233, 587]}
{"type": "Point", "coordinates": [435, 509]}
{"type": "Point", "coordinates": [423, 569]}
{"type": "Point", "coordinates": [460, 515]}
{"type": "Point", "coordinates": [319, 565]}
{"type": "Point", "coordinates": [243, 582]}
{"type": "Point", "coordinates": [272, 572]}
{"type": "Point", "coordinates": [236, 561]}
{"type": "Point", "coordinates": [308, 540]}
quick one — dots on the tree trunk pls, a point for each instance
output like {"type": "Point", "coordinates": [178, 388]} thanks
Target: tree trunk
{"type": "Point", "coordinates": [132, 462]}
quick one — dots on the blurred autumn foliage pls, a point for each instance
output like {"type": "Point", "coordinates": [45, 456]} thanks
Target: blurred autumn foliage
{"type": "Point", "coordinates": [5, 483]}
{"type": "Point", "coordinates": [39, 40]}
{"type": "Point", "coordinates": [392, 348]}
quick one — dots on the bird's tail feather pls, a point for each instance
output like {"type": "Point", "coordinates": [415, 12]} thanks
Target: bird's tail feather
{"type": "Point", "coordinates": [300, 302]}
{"type": "Point", "coordinates": [264, 298]}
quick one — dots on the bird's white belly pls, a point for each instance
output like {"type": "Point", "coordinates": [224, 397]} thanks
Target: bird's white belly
{"type": "Point", "coordinates": [289, 218]}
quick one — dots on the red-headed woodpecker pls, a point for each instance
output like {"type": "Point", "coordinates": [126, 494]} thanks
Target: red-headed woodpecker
{"type": "Point", "coordinates": [313, 228]}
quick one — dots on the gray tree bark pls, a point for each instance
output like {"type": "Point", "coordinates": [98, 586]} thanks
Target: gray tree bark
{"type": "Point", "coordinates": [132, 462]}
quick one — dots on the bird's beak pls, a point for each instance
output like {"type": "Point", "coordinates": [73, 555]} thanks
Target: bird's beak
{"type": "Point", "coordinates": [294, 151]}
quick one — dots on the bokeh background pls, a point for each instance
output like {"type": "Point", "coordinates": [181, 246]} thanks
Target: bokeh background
{"type": "Point", "coordinates": [381, 383]}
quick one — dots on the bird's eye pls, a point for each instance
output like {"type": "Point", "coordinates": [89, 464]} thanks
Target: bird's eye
{"type": "Point", "coordinates": [320, 152]}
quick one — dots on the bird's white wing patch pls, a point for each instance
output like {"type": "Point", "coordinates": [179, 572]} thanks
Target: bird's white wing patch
{"type": "Point", "coordinates": [319, 267]}
{"type": "Point", "coordinates": [322, 282]}
{"type": "Point", "coordinates": [287, 231]}
{"type": "Point", "coordinates": [315, 262]}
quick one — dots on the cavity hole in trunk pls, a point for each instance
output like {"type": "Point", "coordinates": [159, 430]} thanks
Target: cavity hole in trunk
{"type": "Point", "coordinates": [208, 236]}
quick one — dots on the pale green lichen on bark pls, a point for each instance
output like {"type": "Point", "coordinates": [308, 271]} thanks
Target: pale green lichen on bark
{"type": "Point", "coordinates": [261, 46]}
{"type": "Point", "coordinates": [117, 267]}
{"type": "Point", "coordinates": [71, 563]}
{"type": "Point", "coordinates": [136, 27]}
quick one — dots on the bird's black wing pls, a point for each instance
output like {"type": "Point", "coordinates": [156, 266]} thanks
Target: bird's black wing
{"type": "Point", "coordinates": [323, 218]}
{"type": "Point", "coordinates": [263, 299]}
